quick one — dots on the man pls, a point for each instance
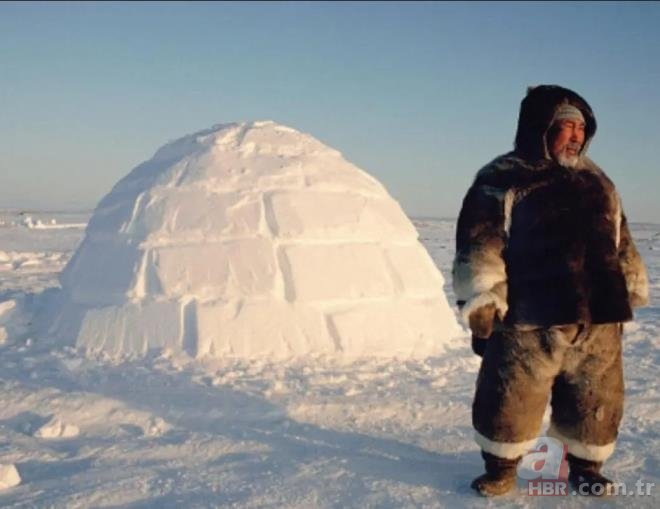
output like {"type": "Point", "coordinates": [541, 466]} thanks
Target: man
{"type": "Point", "coordinates": [545, 274]}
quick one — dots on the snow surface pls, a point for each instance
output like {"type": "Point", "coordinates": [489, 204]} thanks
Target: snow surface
{"type": "Point", "coordinates": [252, 240]}
{"type": "Point", "coordinates": [166, 432]}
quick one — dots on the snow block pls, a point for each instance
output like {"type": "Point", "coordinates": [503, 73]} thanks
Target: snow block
{"type": "Point", "coordinates": [331, 272]}
{"type": "Point", "coordinates": [172, 214]}
{"type": "Point", "coordinates": [338, 215]}
{"type": "Point", "coordinates": [404, 328]}
{"type": "Point", "coordinates": [9, 477]}
{"type": "Point", "coordinates": [131, 330]}
{"type": "Point", "coordinates": [414, 272]}
{"type": "Point", "coordinates": [102, 272]}
{"type": "Point", "coordinates": [230, 269]}
{"type": "Point", "coordinates": [261, 329]}
{"type": "Point", "coordinates": [55, 428]}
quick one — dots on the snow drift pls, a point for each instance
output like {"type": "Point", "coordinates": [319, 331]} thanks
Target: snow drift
{"type": "Point", "coordinates": [250, 240]}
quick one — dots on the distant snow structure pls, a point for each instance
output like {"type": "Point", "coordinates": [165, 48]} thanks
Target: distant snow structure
{"type": "Point", "coordinates": [38, 224]}
{"type": "Point", "coordinates": [253, 240]}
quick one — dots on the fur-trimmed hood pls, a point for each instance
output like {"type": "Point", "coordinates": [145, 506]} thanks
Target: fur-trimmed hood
{"type": "Point", "coordinates": [537, 114]}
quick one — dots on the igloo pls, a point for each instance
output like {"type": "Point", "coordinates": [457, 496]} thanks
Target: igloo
{"type": "Point", "coordinates": [252, 240]}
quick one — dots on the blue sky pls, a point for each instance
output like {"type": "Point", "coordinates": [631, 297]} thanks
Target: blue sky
{"type": "Point", "coordinates": [420, 95]}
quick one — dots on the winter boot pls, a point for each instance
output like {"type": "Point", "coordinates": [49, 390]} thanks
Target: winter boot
{"type": "Point", "coordinates": [500, 476]}
{"type": "Point", "coordinates": [585, 477]}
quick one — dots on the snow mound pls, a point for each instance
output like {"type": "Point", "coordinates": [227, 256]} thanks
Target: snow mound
{"type": "Point", "coordinates": [6, 308]}
{"type": "Point", "coordinates": [55, 428]}
{"type": "Point", "coordinates": [7, 312]}
{"type": "Point", "coordinates": [15, 318]}
{"type": "Point", "coordinates": [9, 477]}
{"type": "Point", "coordinates": [253, 240]}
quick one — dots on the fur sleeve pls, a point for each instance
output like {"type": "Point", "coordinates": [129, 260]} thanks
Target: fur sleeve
{"type": "Point", "coordinates": [479, 273]}
{"type": "Point", "coordinates": [633, 267]}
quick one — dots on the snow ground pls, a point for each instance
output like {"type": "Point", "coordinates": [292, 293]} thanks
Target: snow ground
{"type": "Point", "coordinates": [161, 432]}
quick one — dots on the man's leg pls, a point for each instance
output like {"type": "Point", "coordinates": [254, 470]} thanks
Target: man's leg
{"type": "Point", "coordinates": [513, 388]}
{"type": "Point", "coordinates": [587, 403]}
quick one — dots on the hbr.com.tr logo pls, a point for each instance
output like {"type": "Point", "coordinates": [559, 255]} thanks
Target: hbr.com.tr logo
{"type": "Point", "coordinates": [545, 468]}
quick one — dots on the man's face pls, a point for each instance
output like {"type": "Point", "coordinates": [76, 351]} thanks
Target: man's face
{"type": "Point", "coordinates": [567, 141]}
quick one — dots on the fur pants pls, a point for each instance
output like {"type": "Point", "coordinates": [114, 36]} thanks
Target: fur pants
{"type": "Point", "coordinates": [578, 368]}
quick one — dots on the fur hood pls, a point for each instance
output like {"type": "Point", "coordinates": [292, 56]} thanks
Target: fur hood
{"type": "Point", "coordinates": [537, 114]}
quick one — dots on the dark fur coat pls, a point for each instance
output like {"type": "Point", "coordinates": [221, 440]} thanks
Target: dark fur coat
{"type": "Point", "coordinates": [548, 245]}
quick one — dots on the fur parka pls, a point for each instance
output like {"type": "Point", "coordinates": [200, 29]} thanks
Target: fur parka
{"type": "Point", "coordinates": [547, 244]}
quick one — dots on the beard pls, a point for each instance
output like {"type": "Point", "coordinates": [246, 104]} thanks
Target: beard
{"type": "Point", "coordinates": [569, 161]}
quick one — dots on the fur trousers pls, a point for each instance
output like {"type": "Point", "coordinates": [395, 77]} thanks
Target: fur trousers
{"type": "Point", "coordinates": [579, 369]}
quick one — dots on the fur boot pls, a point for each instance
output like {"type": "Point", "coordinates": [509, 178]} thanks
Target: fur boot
{"type": "Point", "coordinates": [500, 476]}
{"type": "Point", "coordinates": [585, 476]}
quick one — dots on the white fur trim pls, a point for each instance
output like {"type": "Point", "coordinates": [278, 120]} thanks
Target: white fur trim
{"type": "Point", "coordinates": [483, 299]}
{"type": "Point", "coordinates": [582, 450]}
{"type": "Point", "coordinates": [469, 282]}
{"type": "Point", "coordinates": [509, 450]}
{"type": "Point", "coordinates": [617, 222]}
{"type": "Point", "coordinates": [638, 287]}
{"type": "Point", "coordinates": [508, 206]}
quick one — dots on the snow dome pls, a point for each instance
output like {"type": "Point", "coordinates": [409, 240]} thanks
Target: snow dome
{"type": "Point", "coordinates": [250, 240]}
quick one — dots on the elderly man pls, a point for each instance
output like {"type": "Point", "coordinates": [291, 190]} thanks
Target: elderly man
{"type": "Point", "coordinates": [545, 274]}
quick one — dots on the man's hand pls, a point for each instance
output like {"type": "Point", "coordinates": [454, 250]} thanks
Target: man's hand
{"type": "Point", "coordinates": [481, 321]}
